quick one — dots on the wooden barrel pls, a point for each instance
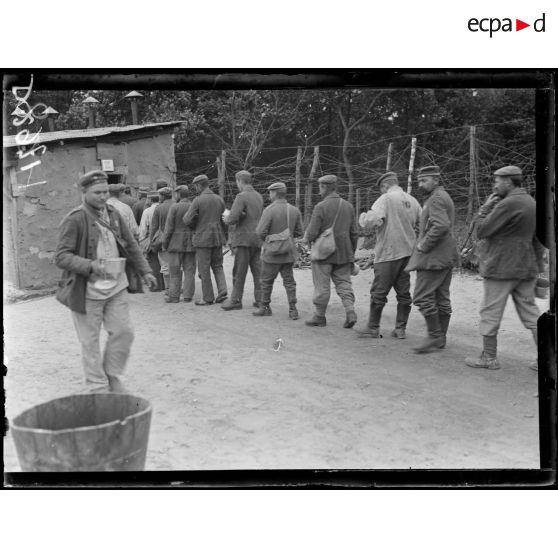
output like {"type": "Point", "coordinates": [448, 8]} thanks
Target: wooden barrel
{"type": "Point", "coordinates": [88, 432]}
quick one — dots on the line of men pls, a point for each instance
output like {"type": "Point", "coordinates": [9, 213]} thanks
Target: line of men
{"type": "Point", "coordinates": [193, 232]}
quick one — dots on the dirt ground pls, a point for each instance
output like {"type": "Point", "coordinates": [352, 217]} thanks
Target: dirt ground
{"type": "Point", "coordinates": [224, 399]}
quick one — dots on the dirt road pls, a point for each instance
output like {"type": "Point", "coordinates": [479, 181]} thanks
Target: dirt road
{"type": "Point", "coordinates": [224, 399]}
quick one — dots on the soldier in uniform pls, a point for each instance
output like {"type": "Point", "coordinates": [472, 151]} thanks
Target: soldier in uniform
{"type": "Point", "coordinates": [126, 196]}
{"type": "Point", "coordinates": [433, 258]}
{"type": "Point", "coordinates": [395, 215]}
{"type": "Point", "coordinates": [245, 243]}
{"type": "Point", "coordinates": [276, 218]}
{"type": "Point", "coordinates": [140, 205]}
{"type": "Point", "coordinates": [181, 253]}
{"type": "Point", "coordinates": [338, 266]}
{"type": "Point", "coordinates": [510, 256]}
{"type": "Point", "coordinates": [89, 235]}
{"type": "Point", "coordinates": [204, 217]}
{"type": "Point", "coordinates": [158, 228]}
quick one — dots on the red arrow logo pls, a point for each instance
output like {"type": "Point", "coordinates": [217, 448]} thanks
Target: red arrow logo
{"type": "Point", "coordinates": [519, 25]}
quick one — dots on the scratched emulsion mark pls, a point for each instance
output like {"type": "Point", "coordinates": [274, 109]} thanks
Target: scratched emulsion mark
{"type": "Point", "coordinates": [24, 113]}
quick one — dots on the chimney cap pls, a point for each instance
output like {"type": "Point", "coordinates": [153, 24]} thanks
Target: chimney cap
{"type": "Point", "coordinates": [133, 95]}
{"type": "Point", "coordinates": [90, 101]}
{"type": "Point", "coordinates": [50, 110]}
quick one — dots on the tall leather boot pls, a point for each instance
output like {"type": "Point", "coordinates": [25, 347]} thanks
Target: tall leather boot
{"type": "Point", "coordinates": [403, 311]}
{"type": "Point", "coordinates": [435, 339]}
{"type": "Point", "coordinates": [487, 358]}
{"type": "Point", "coordinates": [166, 285]}
{"type": "Point", "coordinates": [372, 329]}
{"type": "Point", "coordinates": [444, 324]}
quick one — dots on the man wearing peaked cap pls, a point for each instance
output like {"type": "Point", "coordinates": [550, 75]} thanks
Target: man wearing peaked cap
{"type": "Point", "coordinates": [434, 256]}
{"type": "Point", "coordinates": [510, 257]}
{"type": "Point", "coordinates": [140, 205]}
{"type": "Point", "coordinates": [160, 183]}
{"type": "Point", "coordinates": [245, 244]}
{"type": "Point", "coordinates": [145, 238]}
{"type": "Point", "coordinates": [280, 223]}
{"type": "Point", "coordinates": [156, 232]}
{"type": "Point", "coordinates": [395, 216]}
{"type": "Point", "coordinates": [338, 214]}
{"type": "Point", "coordinates": [204, 219]}
{"type": "Point", "coordinates": [90, 235]}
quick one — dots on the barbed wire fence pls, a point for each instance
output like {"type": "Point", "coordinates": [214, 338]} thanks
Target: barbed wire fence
{"type": "Point", "coordinates": [466, 155]}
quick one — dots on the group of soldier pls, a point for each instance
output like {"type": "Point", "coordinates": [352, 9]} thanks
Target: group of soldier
{"type": "Point", "coordinates": [183, 230]}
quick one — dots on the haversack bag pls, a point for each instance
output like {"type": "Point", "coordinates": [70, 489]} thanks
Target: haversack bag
{"type": "Point", "coordinates": [279, 243]}
{"type": "Point", "coordinates": [324, 245]}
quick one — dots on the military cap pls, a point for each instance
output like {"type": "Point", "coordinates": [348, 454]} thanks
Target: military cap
{"type": "Point", "coordinates": [154, 194]}
{"type": "Point", "coordinates": [161, 183]}
{"type": "Point", "coordinates": [166, 192]}
{"type": "Point", "coordinates": [92, 177]}
{"type": "Point", "coordinates": [200, 178]}
{"type": "Point", "coordinates": [328, 179]}
{"type": "Point", "coordinates": [433, 170]}
{"type": "Point", "coordinates": [277, 186]}
{"type": "Point", "coordinates": [115, 188]}
{"type": "Point", "coordinates": [144, 189]}
{"type": "Point", "coordinates": [384, 176]}
{"type": "Point", "coordinates": [182, 189]}
{"type": "Point", "coordinates": [510, 170]}
{"type": "Point", "coordinates": [243, 175]}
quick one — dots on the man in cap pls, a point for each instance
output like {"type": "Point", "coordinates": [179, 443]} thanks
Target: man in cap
{"type": "Point", "coordinates": [395, 216]}
{"type": "Point", "coordinates": [89, 235]}
{"type": "Point", "coordinates": [115, 193]}
{"type": "Point", "coordinates": [245, 243]}
{"type": "Point", "coordinates": [157, 231]}
{"type": "Point", "coordinates": [126, 196]}
{"type": "Point", "coordinates": [145, 239]}
{"type": "Point", "coordinates": [277, 218]}
{"type": "Point", "coordinates": [181, 254]}
{"type": "Point", "coordinates": [140, 204]}
{"type": "Point", "coordinates": [161, 183]}
{"type": "Point", "coordinates": [204, 217]}
{"type": "Point", "coordinates": [433, 258]}
{"type": "Point", "coordinates": [510, 256]}
{"type": "Point", "coordinates": [334, 212]}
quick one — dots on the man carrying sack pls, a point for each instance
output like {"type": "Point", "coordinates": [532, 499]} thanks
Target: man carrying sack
{"type": "Point", "coordinates": [280, 223]}
{"type": "Point", "coordinates": [334, 235]}
{"type": "Point", "coordinates": [90, 235]}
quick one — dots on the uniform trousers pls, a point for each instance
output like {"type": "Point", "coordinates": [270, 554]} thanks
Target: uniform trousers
{"type": "Point", "coordinates": [388, 275]}
{"type": "Point", "coordinates": [246, 257]}
{"type": "Point", "coordinates": [322, 275]}
{"type": "Point", "coordinates": [269, 274]}
{"type": "Point", "coordinates": [432, 291]}
{"type": "Point", "coordinates": [182, 262]}
{"type": "Point", "coordinates": [163, 261]}
{"type": "Point", "coordinates": [112, 313]}
{"type": "Point", "coordinates": [211, 259]}
{"type": "Point", "coordinates": [496, 293]}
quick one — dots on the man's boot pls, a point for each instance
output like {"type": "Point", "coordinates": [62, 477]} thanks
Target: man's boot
{"type": "Point", "coordinates": [293, 312]}
{"type": "Point", "coordinates": [232, 305]}
{"type": "Point", "coordinates": [350, 320]}
{"type": "Point", "coordinates": [372, 329]}
{"type": "Point", "coordinates": [487, 358]}
{"type": "Point", "coordinates": [166, 284]}
{"type": "Point", "coordinates": [435, 339]}
{"type": "Point", "coordinates": [444, 324]}
{"type": "Point", "coordinates": [403, 311]}
{"type": "Point", "coordinates": [264, 310]}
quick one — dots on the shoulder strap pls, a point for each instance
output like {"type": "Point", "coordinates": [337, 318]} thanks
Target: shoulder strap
{"type": "Point", "coordinates": [101, 221]}
{"type": "Point", "coordinates": [337, 214]}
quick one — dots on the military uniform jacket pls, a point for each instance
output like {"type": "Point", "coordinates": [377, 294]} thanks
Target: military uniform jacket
{"type": "Point", "coordinates": [160, 217]}
{"type": "Point", "coordinates": [77, 248]}
{"type": "Point", "coordinates": [345, 231]}
{"type": "Point", "coordinates": [178, 237]}
{"type": "Point", "coordinates": [204, 218]}
{"type": "Point", "coordinates": [138, 209]}
{"type": "Point", "coordinates": [244, 217]}
{"type": "Point", "coordinates": [274, 221]}
{"type": "Point", "coordinates": [508, 247]}
{"type": "Point", "coordinates": [436, 240]}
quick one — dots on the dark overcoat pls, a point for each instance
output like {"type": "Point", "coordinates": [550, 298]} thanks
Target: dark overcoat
{"type": "Point", "coordinates": [244, 217]}
{"type": "Point", "coordinates": [204, 217]}
{"type": "Point", "coordinates": [178, 237]}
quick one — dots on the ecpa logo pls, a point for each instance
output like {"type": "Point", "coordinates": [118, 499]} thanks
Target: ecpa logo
{"type": "Point", "coordinates": [494, 24]}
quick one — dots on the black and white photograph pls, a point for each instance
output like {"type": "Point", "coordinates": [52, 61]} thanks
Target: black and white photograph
{"type": "Point", "coordinates": [258, 271]}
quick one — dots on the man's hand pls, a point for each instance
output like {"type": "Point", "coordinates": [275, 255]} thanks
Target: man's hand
{"type": "Point", "coordinates": [97, 267]}
{"type": "Point", "coordinates": [149, 280]}
{"type": "Point", "coordinates": [489, 204]}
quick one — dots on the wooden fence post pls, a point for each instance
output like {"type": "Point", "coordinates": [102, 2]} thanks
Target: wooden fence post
{"type": "Point", "coordinates": [308, 192]}
{"type": "Point", "coordinates": [221, 166]}
{"type": "Point", "coordinates": [411, 165]}
{"type": "Point", "coordinates": [472, 173]}
{"type": "Point", "coordinates": [389, 156]}
{"type": "Point", "coordinates": [357, 202]}
{"type": "Point", "coordinates": [297, 177]}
